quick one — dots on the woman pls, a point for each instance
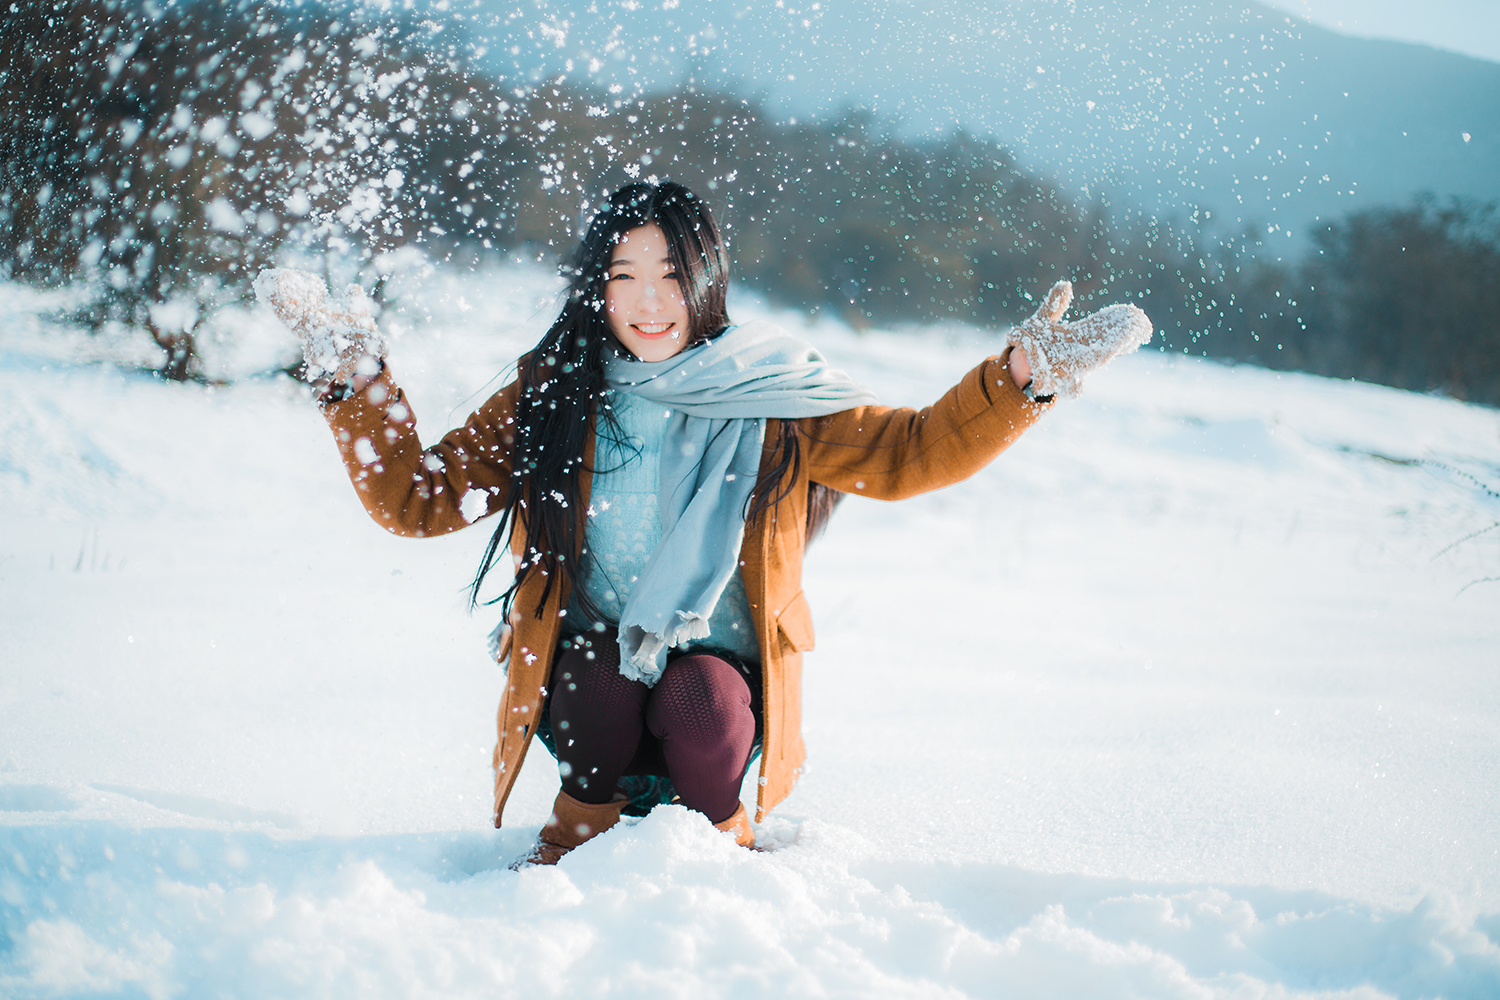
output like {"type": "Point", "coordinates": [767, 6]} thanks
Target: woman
{"type": "Point", "coordinates": [658, 473]}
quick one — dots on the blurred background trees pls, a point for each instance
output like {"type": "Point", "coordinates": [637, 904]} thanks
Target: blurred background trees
{"type": "Point", "coordinates": [166, 152]}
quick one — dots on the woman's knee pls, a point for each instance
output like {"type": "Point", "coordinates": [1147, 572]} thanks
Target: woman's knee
{"type": "Point", "coordinates": [597, 718]}
{"type": "Point", "coordinates": [703, 700]}
{"type": "Point", "coordinates": [590, 675]}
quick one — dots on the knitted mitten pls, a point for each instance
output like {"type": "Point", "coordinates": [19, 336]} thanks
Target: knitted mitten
{"type": "Point", "coordinates": [339, 337]}
{"type": "Point", "coordinates": [1062, 354]}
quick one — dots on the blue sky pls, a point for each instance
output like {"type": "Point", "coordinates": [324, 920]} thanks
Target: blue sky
{"type": "Point", "coordinates": [1468, 26]}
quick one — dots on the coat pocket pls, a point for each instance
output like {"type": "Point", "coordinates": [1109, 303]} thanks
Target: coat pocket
{"type": "Point", "coordinates": [795, 623]}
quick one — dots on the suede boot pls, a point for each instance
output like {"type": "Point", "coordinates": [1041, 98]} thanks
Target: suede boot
{"type": "Point", "coordinates": [572, 823]}
{"type": "Point", "coordinates": [739, 825]}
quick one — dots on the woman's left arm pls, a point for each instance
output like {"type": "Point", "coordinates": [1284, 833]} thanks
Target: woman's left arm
{"type": "Point", "coordinates": [893, 452]}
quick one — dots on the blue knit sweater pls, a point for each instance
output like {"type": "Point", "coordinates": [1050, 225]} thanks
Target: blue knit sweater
{"type": "Point", "coordinates": [625, 525]}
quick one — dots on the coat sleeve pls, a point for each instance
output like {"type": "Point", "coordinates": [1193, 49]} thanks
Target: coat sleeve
{"type": "Point", "coordinates": [893, 452]}
{"type": "Point", "coordinates": [413, 491]}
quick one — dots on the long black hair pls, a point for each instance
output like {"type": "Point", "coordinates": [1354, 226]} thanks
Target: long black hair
{"type": "Point", "coordinates": [562, 386]}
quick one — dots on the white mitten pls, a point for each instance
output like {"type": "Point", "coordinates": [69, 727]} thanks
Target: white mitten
{"type": "Point", "coordinates": [1061, 354]}
{"type": "Point", "coordinates": [339, 336]}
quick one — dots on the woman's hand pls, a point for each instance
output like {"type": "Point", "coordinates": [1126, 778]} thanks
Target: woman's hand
{"type": "Point", "coordinates": [1020, 367]}
{"type": "Point", "coordinates": [339, 338]}
{"type": "Point", "coordinates": [503, 637]}
{"type": "Point", "coordinates": [1061, 354]}
{"type": "Point", "coordinates": [360, 382]}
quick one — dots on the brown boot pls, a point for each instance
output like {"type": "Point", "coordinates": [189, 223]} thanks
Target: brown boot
{"type": "Point", "coordinates": [571, 823]}
{"type": "Point", "coordinates": [739, 825]}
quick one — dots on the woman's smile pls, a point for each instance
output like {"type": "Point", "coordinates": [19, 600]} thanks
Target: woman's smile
{"type": "Point", "coordinates": [652, 329]}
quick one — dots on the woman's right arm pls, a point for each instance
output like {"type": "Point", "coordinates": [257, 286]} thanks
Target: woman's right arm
{"type": "Point", "coordinates": [418, 492]}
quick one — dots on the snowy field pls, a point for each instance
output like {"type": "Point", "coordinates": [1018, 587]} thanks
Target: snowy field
{"type": "Point", "coordinates": [1212, 709]}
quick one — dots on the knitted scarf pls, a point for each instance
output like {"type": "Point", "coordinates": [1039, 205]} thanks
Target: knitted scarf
{"type": "Point", "coordinates": [720, 393]}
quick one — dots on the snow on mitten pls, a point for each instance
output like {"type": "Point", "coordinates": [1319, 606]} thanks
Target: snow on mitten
{"type": "Point", "coordinates": [1061, 354]}
{"type": "Point", "coordinates": [339, 336]}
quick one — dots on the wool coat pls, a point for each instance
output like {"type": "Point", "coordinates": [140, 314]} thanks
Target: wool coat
{"type": "Point", "coordinates": [873, 451]}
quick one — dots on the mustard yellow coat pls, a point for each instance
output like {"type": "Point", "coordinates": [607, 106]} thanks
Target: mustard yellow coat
{"type": "Point", "coordinates": [874, 451]}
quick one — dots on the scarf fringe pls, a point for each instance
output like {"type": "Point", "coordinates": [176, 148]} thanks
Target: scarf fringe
{"type": "Point", "coordinates": [642, 664]}
{"type": "Point", "coordinates": [692, 626]}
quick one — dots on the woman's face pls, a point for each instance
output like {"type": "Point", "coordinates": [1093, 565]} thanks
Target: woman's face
{"type": "Point", "coordinates": [642, 298]}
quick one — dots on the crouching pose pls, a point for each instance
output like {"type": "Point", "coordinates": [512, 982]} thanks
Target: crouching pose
{"type": "Point", "coordinates": [657, 472]}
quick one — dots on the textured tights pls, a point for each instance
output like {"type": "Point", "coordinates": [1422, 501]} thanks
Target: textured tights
{"type": "Point", "coordinates": [697, 722]}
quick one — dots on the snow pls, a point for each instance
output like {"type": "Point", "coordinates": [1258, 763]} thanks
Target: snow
{"type": "Point", "coordinates": [1187, 695]}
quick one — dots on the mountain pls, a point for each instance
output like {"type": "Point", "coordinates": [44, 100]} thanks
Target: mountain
{"type": "Point", "coordinates": [1168, 105]}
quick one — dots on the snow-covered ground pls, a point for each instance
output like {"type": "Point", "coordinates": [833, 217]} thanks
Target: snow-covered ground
{"type": "Point", "coordinates": [1211, 707]}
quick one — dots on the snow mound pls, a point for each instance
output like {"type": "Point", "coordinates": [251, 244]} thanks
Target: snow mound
{"type": "Point", "coordinates": [670, 907]}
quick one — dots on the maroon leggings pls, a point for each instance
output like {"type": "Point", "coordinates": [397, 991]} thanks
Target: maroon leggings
{"type": "Point", "coordinates": [696, 726]}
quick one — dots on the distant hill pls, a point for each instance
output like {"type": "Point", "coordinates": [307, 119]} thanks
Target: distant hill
{"type": "Point", "coordinates": [1170, 105]}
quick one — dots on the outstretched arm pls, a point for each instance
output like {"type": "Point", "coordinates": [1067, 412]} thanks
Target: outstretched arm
{"type": "Point", "coordinates": [413, 491]}
{"type": "Point", "coordinates": [890, 453]}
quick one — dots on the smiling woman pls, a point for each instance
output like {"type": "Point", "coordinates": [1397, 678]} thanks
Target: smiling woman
{"type": "Point", "coordinates": [657, 472]}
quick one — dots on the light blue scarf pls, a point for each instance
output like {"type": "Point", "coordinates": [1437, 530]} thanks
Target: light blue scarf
{"type": "Point", "coordinates": [721, 393]}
